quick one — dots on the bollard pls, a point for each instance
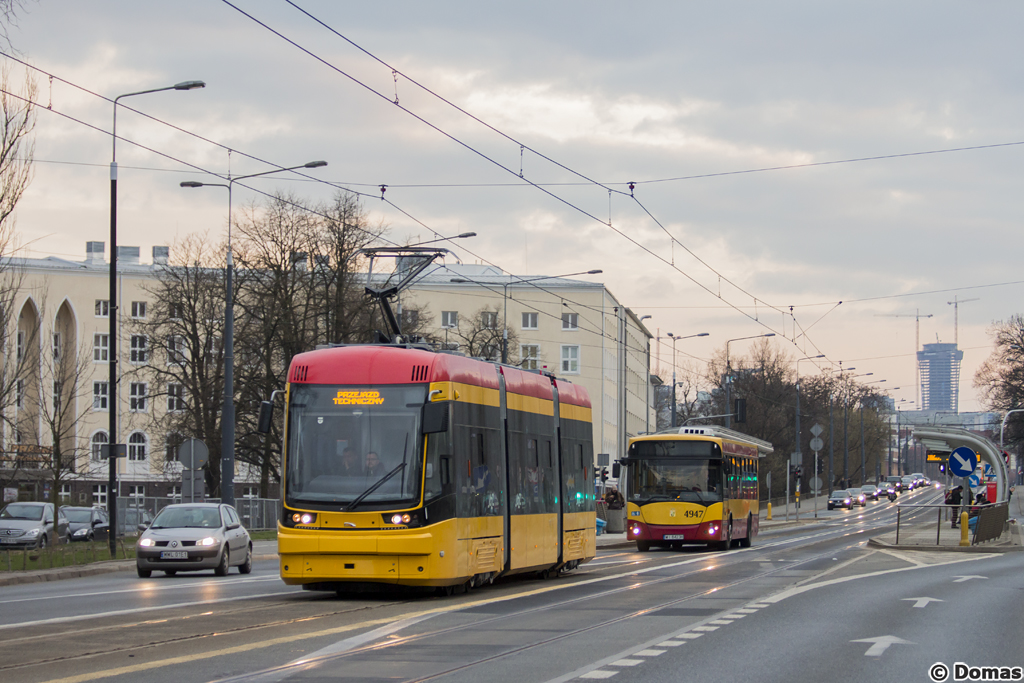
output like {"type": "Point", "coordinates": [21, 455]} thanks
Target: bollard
{"type": "Point", "coordinates": [769, 511]}
{"type": "Point", "coordinates": [964, 540]}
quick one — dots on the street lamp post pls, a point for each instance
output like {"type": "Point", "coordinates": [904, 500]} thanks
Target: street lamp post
{"type": "Point", "coordinates": [227, 452]}
{"type": "Point", "coordinates": [728, 376]}
{"type": "Point", "coordinates": [112, 312]}
{"type": "Point", "coordinates": [647, 381]}
{"type": "Point", "coordinates": [799, 450]}
{"type": "Point", "coordinates": [674, 340]}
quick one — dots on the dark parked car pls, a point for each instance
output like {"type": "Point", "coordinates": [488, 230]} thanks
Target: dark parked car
{"type": "Point", "coordinates": [896, 483]}
{"type": "Point", "coordinates": [193, 536]}
{"type": "Point", "coordinates": [30, 525]}
{"type": "Point", "coordinates": [129, 519]}
{"type": "Point", "coordinates": [840, 498]}
{"type": "Point", "coordinates": [87, 524]}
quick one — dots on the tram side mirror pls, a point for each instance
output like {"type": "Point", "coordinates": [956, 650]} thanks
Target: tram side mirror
{"type": "Point", "coordinates": [616, 469]}
{"type": "Point", "coordinates": [435, 418]}
{"type": "Point", "coordinates": [266, 417]}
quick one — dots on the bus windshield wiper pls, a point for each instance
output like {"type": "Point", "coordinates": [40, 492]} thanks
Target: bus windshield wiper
{"type": "Point", "coordinates": [359, 499]}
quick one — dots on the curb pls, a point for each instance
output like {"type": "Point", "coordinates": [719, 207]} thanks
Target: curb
{"type": "Point", "coordinates": [1004, 547]}
{"type": "Point", "coordinates": [97, 569]}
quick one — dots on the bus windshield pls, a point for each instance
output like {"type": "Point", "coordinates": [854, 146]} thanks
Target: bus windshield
{"type": "Point", "coordinates": [653, 480]}
{"type": "Point", "coordinates": [343, 440]}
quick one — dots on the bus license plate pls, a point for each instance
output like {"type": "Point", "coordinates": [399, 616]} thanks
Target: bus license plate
{"type": "Point", "coordinates": [674, 537]}
{"type": "Point", "coordinates": [174, 555]}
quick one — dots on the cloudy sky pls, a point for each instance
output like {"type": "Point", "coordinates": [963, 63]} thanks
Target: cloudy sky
{"type": "Point", "coordinates": [699, 104]}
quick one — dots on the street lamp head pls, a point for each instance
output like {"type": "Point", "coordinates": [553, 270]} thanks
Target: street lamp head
{"type": "Point", "coordinates": [189, 85]}
{"type": "Point", "coordinates": [703, 334]}
{"type": "Point", "coordinates": [770, 334]}
{"type": "Point", "coordinates": [459, 280]}
{"type": "Point", "coordinates": [191, 183]}
{"type": "Point", "coordinates": [594, 272]}
{"type": "Point", "coordinates": [645, 317]}
{"type": "Point", "coordinates": [466, 234]}
{"type": "Point", "coordinates": [315, 164]}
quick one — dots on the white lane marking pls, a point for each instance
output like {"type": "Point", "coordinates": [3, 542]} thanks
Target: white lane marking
{"type": "Point", "coordinates": [137, 610]}
{"type": "Point", "coordinates": [670, 643]}
{"type": "Point", "coordinates": [758, 605]}
{"type": "Point", "coordinates": [705, 628]}
{"type": "Point", "coordinates": [627, 662]}
{"type": "Point", "coordinates": [605, 564]}
{"type": "Point", "coordinates": [881, 644]}
{"type": "Point", "coordinates": [746, 611]}
{"type": "Point", "coordinates": [721, 622]}
{"type": "Point", "coordinates": [923, 602]}
{"type": "Point", "coordinates": [149, 589]}
{"type": "Point", "coordinates": [688, 636]}
{"type": "Point", "coordinates": [597, 673]}
{"type": "Point", "coordinates": [779, 597]}
{"type": "Point", "coordinates": [649, 653]}
{"type": "Point", "coordinates": [961, 579]}
{"type": "Point", "coordinates": [734, 616]}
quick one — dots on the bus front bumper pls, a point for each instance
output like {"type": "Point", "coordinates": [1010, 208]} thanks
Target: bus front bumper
{"type": "Point", "coordinates": [690, 533]}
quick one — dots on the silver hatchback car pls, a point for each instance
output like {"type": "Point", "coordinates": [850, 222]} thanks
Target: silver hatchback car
{"type": "Point", "coordinates": [193, 536]}
{"type": "Point", "coordinates": [31, 525]}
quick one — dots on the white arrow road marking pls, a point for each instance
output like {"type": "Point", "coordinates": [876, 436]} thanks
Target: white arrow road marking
{"type": "Point", "coordinates": [880, 644]}
{"type": "Point", "coordinates": [923, 602]}
{"type": "Point", "coordinates": [961, 579]}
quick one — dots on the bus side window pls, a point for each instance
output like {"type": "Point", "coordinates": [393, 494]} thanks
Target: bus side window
{"type": "Point", "coordinates": [444, 465]}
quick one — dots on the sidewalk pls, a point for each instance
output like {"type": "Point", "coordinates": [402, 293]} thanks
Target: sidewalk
{"type": "Point", "coordinates": [940, 536]}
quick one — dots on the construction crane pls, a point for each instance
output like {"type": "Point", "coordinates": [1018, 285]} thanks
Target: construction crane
{"type": "Point", "coordinates": [917, 341]}
{"type": "Point", "coordinates": [956, 317]}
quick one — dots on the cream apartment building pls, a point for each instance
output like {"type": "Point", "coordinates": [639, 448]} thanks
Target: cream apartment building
{"type": "Point", "coordinates": [572, 328]}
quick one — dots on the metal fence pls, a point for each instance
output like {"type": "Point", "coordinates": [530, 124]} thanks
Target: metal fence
{"type": "Point", "coordinates": [257, 514]}
{"type": "Point", "coordinates": [990, 524]}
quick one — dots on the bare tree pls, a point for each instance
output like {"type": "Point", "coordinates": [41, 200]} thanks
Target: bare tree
{"type": "Point", "coordinates": [480, 335]}
{"type": "Point", "coordinates": [1000, 379]}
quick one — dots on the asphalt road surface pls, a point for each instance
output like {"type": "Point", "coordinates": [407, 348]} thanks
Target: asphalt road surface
{"type": "Point", "coordinates": [812, 602]}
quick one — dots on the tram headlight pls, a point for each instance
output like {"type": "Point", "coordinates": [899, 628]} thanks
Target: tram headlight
{"type": "Point", "coordinates": [303, 518]}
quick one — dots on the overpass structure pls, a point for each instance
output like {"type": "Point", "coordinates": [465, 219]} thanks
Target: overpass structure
{"type": "Point", "coordinates": [944, 440]}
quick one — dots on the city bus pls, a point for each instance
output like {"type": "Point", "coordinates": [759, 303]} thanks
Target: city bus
{"type": "Point", "coordinates": [410, 467]}
{"type": "Point", "coordinates": [693, 485]}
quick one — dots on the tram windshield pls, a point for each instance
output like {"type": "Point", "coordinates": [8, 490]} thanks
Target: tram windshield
{"type": "Point", "coordinates": [653, 480]}
{"type": "Point", "coordinates": [343, 440]}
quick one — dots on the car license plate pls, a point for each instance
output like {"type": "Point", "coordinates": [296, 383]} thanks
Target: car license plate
{"type": "Point", "coordinates": [674, 537]}
{"type": "Point", "coordinates": [174, 555]}
{"type": "Point", "coordinates": [10, 540]}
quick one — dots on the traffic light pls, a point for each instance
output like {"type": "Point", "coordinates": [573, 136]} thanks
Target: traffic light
{"type": "Point", "coordinates": [740, 410]}
{"type": "Point", "coordinates": [604, 474]}
{"type": "Point", "coordinates": [942, 468]}
{"type": "Point", "coordinates": [797, 472]}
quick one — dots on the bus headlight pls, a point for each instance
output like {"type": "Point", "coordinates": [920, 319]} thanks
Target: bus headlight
{"type": "Point", "coordinates": [400, 518]}
{"type": "Point", "coordinates": [303, 518]}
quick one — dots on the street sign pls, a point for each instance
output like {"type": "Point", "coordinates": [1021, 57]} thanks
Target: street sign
{"type": "Point", "coordinates": [963, 461]}
{"type": "Point", "coordinates": [975, 481]}
{"type": "Point", "coordinates": [815, 484]}
{"type": "Point", "coordinates": [816, 430]}
{"type": "Point", "coordinates": [796, 459]}
{"type": "Point", "coordinates": [817, 444]}
{"type": "Point", "coordinates": [193, 454]}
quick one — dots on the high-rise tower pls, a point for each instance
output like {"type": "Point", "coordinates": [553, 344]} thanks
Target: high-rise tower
{"type": "Point", "coordinates": [940, 376]}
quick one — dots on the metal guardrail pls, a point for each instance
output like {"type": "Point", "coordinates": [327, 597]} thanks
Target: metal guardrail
{"type": "Point", "coordinates": [992, 518]}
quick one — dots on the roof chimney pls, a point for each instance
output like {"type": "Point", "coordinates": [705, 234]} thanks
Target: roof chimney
{"type": "Point", "coordinates": [128, 256]}
{"type": "Point", "coordinates": [94, 253]}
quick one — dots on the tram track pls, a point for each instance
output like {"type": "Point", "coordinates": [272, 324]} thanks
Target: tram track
{"type": "Point", "coordinates": [644, 564]}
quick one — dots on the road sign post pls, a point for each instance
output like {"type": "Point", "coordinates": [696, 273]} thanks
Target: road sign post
{"type": "Point", "coordinates": [193, 454]}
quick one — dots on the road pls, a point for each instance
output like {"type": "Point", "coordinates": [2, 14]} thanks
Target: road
{"type": "Point", "coordinates": [812, 601]}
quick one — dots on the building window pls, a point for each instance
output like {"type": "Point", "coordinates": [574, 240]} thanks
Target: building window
{"type": "Point", "coordinates": [449, 318]}
{"type": "Point", "coordinates": [175, 398]}
{"type": "Point", "coordinates": [139, 349]}
{"type": "Point", "coordinates": [65, 493]}
{"type": "Point", "coordinates": [102, 308]}
{"type": "Point", "coordinates": [96, 444]}
{"type": "Point", "coordinates": [570, 359]}
{"type": "Point", "coordinates": [99, 495]}
{"type": "Point", "coordinates": [139, 310]}
{"type": "Point", "coordinates": [213, 347]}
{"type": "Point", "coordinates": [137, 397]}
{"type": "Point", "coordinates": [138, 491]}
{"type": "Point", "coordinates": [489, 320]}
{"type": "Point", "coordinates": [101, 347]}
{"type": "Point", "coordinates": [175, 350]}
{"type": "Point", "coordinates": [56, 346]}
{"type": "Point", "coordinates": [176, 311]}
{"type": "Point", "coordinates": [137, 449]}
{"type": "Point", "coordinates": [530, 320]}
{"type": "Point", "coordinates": [175, 491]}
{"type": "Point", "coordinates": [21, 345]}
{"type": "Point", "coordinates": [570, 321]}
{"type": "Point", "coordinates": [19, 393]}
{"type": "Point", "coordinates": [250, 492]}
{"type": "Point", "coordinates": [529, 355]}
{"type": "Point", "coordinates": [56, 398]}
{"type": "Point", "coordinates": [100, 394]}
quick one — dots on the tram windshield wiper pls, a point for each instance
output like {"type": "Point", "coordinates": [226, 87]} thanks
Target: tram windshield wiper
{"type": "Point", "coordinates": [373, 487]}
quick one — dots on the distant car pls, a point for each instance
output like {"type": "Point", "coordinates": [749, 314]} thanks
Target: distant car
{"type": "Point", "coordinates": [909, 483]}
{"type": "Point", "coordinates": [858, 496]}
{"type": "Point", "coordinates": [896, 483]}
{"type": "Point", "coordinates": [30, 525]}
{"type": "Point", "coordinates": [87, 524]}
{"type": "Point", "coordinates": [871, 491]}
{"type": "Point", "coordinates": [840, 498]}
{"type": "Point", "coordinates": [192, 536]}
{"type": "Point", "coordinates": [129, 519]}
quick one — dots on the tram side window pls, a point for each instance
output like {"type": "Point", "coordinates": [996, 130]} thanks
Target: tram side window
{"type": "Point", "coordinates": [480, 478]}
{"type": "Point", "coordinates": [438, 474]}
